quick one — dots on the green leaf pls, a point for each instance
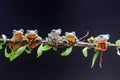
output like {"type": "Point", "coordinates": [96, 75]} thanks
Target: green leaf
{"type": "Point", "coordinates": [95, 57]}
{"type": "Point", "coordinates": [54, 48]}
{"type": "Point", "coordinates": [4, 38]}
{"type": "Point", "coordinates": [0, 45]}
{"type": "Point", "coordinates": [118, 52]}
{"type": "Point", "coordinates": [89, 40]}
{"type": "Point", "coordinates": [118, 42]}
{"type": "Point", "coordinates": [67, 51]}
{"type": "Point", "coordinates": [46, 47]}
{"type": "Point", "coordinates": [28, 51]}
{"type": "Point", "coordinates": [14, 55]}
{"type": "Point", "coordinates": [85, 53]}
{"type": "Point", "coordinates": [7, 55]}
{"type": "Point", "coordinates": [39, 51]}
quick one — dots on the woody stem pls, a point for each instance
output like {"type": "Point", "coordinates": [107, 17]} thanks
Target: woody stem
{"type": "Point", "coordinates": [78, 43]}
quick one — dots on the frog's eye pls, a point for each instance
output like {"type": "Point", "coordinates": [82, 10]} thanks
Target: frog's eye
{"type": "Point", "coordinates": [53, 31]}
{"type": "Point", "coordinates": [60, 30]}
{"type": "Point", "coordinates": [74, 32]}
{"type": "Point", "coordinates": [108, 35]}
{"type": "Point", "coordinates": [66, 33]}
{"type": "Point", "coordinates": [22, 30]}
{"type": "Point", "coordinates": [36, 31]}
{"type": "Point", "coordinates": [14, 31]}
{"type": "Point", "coordinates": [48, 35]}
{"type": "Point", "coordinates": [28, 31]}
{"type": "Point", "coordinates": [101, 36]}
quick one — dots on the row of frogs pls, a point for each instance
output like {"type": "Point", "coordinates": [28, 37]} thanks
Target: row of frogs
{"type": "Point", "coordinates": [21, 42]}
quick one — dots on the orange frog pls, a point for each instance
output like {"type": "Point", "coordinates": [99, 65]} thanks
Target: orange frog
{"type": "Point", "coordinates": [101, 42]}
{"type": "Point", "coordinates": [18, 40]}
{"type": "Point", "coordinates": [70, 38]}
{"type": "Point", "coordinates": [54, 38]}
{"type": "Point", "coordinates": [32, 36]}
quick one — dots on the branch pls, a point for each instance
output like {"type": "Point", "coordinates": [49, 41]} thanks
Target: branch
{"type": "Point", "coordinates": [69, 40]}
{"type": "Point", "coordinates": [91, 45]}
{"type": "Point", "coordinates": [79, 44]}
{"type": "Point", "coordinates": [45, 45]}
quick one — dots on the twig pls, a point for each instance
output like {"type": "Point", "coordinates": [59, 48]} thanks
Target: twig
{"type": "Point", "coordinates": [79, 43]}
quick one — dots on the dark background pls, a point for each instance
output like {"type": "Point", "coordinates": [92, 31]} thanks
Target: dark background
{"type": "Point", "coordinates": [97, 16]}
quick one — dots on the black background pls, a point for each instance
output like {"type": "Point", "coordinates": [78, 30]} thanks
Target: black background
{"type": "Point", "coordinates": [97, 16]}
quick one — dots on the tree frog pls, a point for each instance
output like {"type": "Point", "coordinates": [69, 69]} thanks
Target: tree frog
{"type": "Point", "coordinates": [17, 40]}
{"type": "Point", "coordinates": [32, 36]}
{"type": "Point", "coordinates": [70, 37]}
{"type": "Point", "coordinates": [54, 37]}
{"type": "Point", "coordinates": [101, 42]}
{"type": "Point", "coordinates": [18, 36]}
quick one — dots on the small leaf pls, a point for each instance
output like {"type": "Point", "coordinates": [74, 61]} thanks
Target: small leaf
{"type": "Point", "coordinates": [67, 51]}
{"type": "Point", "coordinates": [95, 57]}
{"type": "Point", "coordinates": [4, 38]}
{"type": "Point", "coordinates": [7, 55]}
{"type": "Point", "coordinates": [39, 51]}
{"type": "Point", "coordinates": [118, 52]}
{"type": "Point", "coordinates": [12, 54]}
{"type": "Point", "coordinates": [0, 45]}
{"type": "Point", "coordinates": [17, 53]}
{"type": "Point", "coordinates": [54, 48]}
{"type": "Point", "coordinates": [27, 51]}
{"type": "Point", "coordinates": [46, 47]}
{"type": "Point", "coordinates": [118, 42]}
{"type": "Point", "coordinates": [90, 40]}
{"type": "Point", "coordinates": [85, 53]}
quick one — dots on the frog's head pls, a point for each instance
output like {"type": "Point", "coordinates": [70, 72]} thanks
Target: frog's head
{"type": "Point", "coordinates": [70, 33]}
{"type": "Point", "coordinates": [103, 37]}
{"type": "Point", "coordinates": [31, 33]}
{"type": "Point", "coordinates": [18, 32]}
{"type": "Point", "coordinates": [56, 31]}
{"type": "Point", "coordinates": [70, 36]}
